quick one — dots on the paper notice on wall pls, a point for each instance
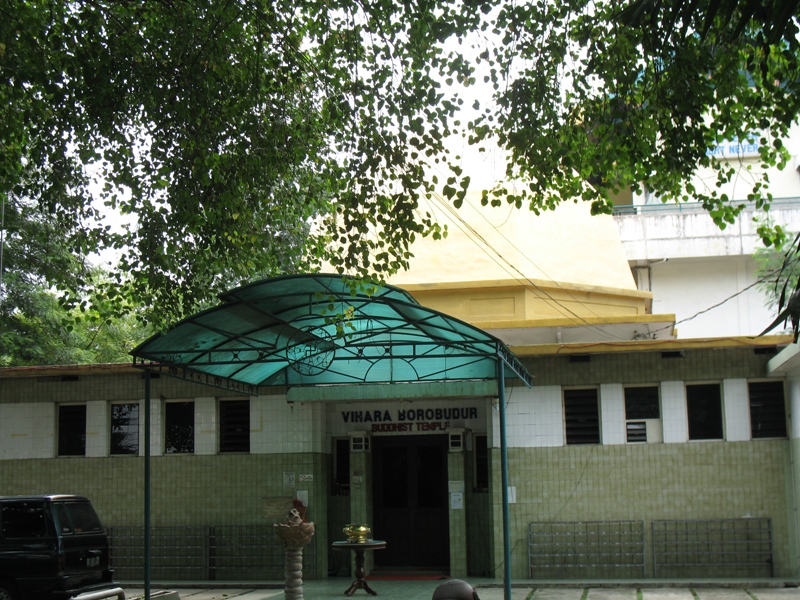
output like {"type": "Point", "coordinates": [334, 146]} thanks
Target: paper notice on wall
{"type": "Point", "coordinates": [455, 486]}
{"type": "Point", "coordinates": [456, 500]}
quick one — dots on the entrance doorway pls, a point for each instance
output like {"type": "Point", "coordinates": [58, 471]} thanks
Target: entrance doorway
{"type": "Point", "coordinates": [410, 508]}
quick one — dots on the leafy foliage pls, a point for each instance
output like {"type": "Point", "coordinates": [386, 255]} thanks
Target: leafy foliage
{"type": "Point", "coordinates": [778, 270]}
{"type": "Point", "coordinates": [36, 329]}
{"type": "Point", "coordinates": [246, 138]}
{"type": "Point", "coordinates": [222, 128]}
{"type": "Point", "coordinates": [635, 95]}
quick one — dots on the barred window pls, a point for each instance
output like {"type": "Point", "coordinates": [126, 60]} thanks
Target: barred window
{"type": "Point", "coordinates": [179, 428]}
{"type": "Point", "coordinates": [582, 416]}
{"type": "Point", "coordinates": [72, 430]}
{"type": "Point", "coordinates": [641, 403]}
{"type": "Point", "coordinates": [704, 410]}
{"type": "Point", "coordinates": [767, 409]}
{"type": "Point", "coordinates": [124, 429]}
{"type": "Point", "coordinates": [234, 426]}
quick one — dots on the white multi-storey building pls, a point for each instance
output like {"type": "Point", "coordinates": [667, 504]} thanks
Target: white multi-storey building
{"type": "Point", "coordinates": [702, 274]}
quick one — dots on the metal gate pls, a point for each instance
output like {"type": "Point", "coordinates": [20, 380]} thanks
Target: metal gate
{"type": "Point", "coordinates": [713, 548]}
{"type": "Point", "coordinates": [588, 549]}
{"type": "Point", "coordinates": [242, 553]}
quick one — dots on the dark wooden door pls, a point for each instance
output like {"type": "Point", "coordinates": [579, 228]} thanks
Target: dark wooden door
{"type": "Point", "coordinates": [410, 493]}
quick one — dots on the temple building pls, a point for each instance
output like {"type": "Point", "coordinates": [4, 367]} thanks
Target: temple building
{"type": "Point", "coordinates": [519, 348]}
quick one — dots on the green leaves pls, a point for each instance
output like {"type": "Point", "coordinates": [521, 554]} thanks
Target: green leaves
{"type": "Point", "coordinates": [597, 100]}
{"type": "Point", "coordinates": [225, 130]}
{"type": "Point", "coordinates": [247, 139]}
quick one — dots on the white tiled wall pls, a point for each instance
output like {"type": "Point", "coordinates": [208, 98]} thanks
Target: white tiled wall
{"type": "Point", "coordinates": [27, 430]}
{"type": "Point", "coordinates": [156, 429]}
{"type": "Point", "coordinates": [205, 425]}
{"type": "Point", "coordinates": [736, 410]}
{"type": "Point", "coordinates": [534, 418]}
{"type": "Point", "coordinates": [98, 428]}
{"type": "Point", "coordinates": [278, 427]}
{"type": "Point", "coordinates": [673, 412]}
{"type": "Point", "coordinates": [612, 414]}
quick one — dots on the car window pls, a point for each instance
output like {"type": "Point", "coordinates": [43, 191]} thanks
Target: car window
{"type": "Point", "coordinates": [63, 523]}
{"type": "Point", "coordinates": [83, 517]}
{"type": "Point", "coordinates": [24, 520]}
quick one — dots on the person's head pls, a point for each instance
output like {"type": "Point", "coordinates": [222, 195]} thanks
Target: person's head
{"type": "Point", "coordinates": [455, 589]}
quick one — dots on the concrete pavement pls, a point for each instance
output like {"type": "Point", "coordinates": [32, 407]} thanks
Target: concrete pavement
{"type": "Point", "coordinates": [333, 589]}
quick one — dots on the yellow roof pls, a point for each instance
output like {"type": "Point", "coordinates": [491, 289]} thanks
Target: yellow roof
{"type": "Point", "coordinates": [566, 245]}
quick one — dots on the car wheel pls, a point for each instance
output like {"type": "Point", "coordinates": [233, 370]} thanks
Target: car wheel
{"type": "Point", "coordinates": [7, 591]}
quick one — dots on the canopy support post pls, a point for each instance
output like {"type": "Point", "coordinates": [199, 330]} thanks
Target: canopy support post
{"type": "Point", "coordinates": [501, 392]}
{"type": "Point", "coordinates": [147, 485]}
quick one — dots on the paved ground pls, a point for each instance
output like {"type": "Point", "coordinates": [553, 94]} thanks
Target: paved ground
{"type": "Point", "coordinates": [334, 588]}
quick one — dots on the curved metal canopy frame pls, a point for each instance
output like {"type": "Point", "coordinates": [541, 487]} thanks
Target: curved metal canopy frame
{"type": "Point", "coordinates": [305, 330]}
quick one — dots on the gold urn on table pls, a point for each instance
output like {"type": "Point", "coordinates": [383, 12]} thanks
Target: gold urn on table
{"type": "Point", "coordinates": [357, 533]}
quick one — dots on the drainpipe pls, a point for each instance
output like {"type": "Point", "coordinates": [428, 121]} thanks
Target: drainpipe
{"type": "Point", "coordinates": [501, 392]}
{"type": "Point", "coordinates": [147, 485]}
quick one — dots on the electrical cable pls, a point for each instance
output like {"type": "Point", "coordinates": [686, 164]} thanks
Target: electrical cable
{"type": "Point", "coordinates": [728, 299]}
{"type": "Point", "coordinates": [527, 258]}
{"type": "Point", "coordinates": [517, 274]}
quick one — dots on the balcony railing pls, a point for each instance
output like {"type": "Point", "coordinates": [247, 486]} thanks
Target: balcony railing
{"type": "Point", "coordinates": [691, 207]}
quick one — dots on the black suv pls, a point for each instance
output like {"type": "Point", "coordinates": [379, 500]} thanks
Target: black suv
{"type": "Point", "coordinates": [51, 547]}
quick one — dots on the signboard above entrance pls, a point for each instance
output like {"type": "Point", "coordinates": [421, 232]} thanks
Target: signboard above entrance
{"type": "Point", "coordinates": [409, 420]}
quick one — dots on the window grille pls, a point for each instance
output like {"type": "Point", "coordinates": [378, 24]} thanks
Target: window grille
{"type": "Point", "coordinates": [204, 553]}
{"type": "Point", "coordinates": [72, 430]}
{"type": "Point", "coordinates": [234, 426]}
{"type": "Point", "coordinates": [581, 416]}
{"type": "Point", "coordinates": [124, 429]}
{"type": "Point", "coordinates": [179, 428]}
{"type": "Point", "coordinates": [713, 548]}
{"type": "Point", "coordinates": [586, 549]}
{"type": "Point", "coordinates": [704, 409]}
{"type": "Point", "coordinates": [641, 403]}
{"type": "Point", "coordinates": [636, 431]}
{"type": "Point", "coordinates": [767, 409]}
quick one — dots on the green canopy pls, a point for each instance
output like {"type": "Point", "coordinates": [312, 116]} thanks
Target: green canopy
{"type": "Point", "coordinates": [303, 330]}
{"type": "Point", "coordinates": [306, 330]}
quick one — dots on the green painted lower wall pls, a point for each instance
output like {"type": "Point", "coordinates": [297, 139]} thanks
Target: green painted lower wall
{"type": "Point", "coordinates": [793, 492]}
{"type": "Point", "coordinates": [698, 480]}
{"type": "Point", "coordinates": [185, 490]}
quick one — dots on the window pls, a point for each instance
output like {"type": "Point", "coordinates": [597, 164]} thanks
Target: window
{"type": "Point", "coordinates": [641, 404]}
{"type": "Point", "coordinates": [481, 449]}
{"type": "Point", "coordinates": [234, 426]}
{"type": "Point", "coordinates": [341, 467]}
{"type": "Point", "coordinates": [124, 429]}
{"type": "Point", "coordinates": [767, 409]}
{"type": "Point", "coordinates": [24, 520]}
{"type": "Point", "coordinates": [704, 409]}
{"type": "Point", "coordinates": [76, 517]}
{"type": "Point", "coordinates": [179, 428]}
{"type": "Point", "coordinates": [581, 416]}
{"type": "Point", "coordinates": [72, 430]}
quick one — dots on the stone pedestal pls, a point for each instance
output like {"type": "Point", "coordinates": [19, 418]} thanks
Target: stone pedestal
{"type": "Point", "coordinates": [294, 534]}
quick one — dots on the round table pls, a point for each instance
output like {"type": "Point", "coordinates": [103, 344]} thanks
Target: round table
{"type": "Point", "coordinates": [358, 547]}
